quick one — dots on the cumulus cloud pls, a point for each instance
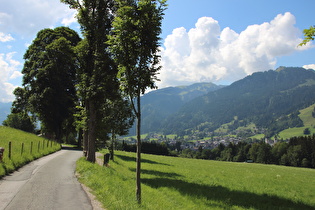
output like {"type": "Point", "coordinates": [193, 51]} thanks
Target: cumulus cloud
{"type": "Point", "coordinates": [27, 17]}
{"type": "Point", "coordinates": [309, 66]}
{"type": "Point", "coordinates": [207, 53]}
{"type": "Point", "coordinates": [8, 70]}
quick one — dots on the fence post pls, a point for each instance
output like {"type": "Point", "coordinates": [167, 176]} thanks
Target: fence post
{"type": "Point", "coordinates": [47, 143]}
{"type": "Point", "coordinates": [43, 143]}
{"type": "Point", "coordinates": [22, 148]}
{"type": "Point", "coordinates": [31, 147]}
{"type": "Point", "coordinates": [38, 146]}
{"type": "Point", "coordinates": [9, 154]}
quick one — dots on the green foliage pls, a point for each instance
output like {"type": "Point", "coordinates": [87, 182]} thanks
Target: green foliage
{"type": "Point", "coordinates": [306, 131]}
{"type": "Point", "coordinates": [298, 152]}
{"type": "Point", "coordinates": [309, 35]}
{"type": "Point", "coordinates": [147, 148]}
{"type": "Point", "coordinates": [177, 183]}
{"type": "Point", "coordinates": [33, 147]}
{"type": "Point", "coordinates": [135, 42]}
{"type": "Point", "coordinates": [21, 121]}
{"type": "Point", "coordinates": [49, 80]}
{"type": "Point", "coordinates": [97, 81]}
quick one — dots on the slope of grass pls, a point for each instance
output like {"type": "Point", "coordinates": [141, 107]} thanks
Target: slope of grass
{"type": "Point", "coordinates": [33, 148]}
{"type": "Point", "coordinates": [177, 183]}
{"type": "Point", "coordinates": [308, 121]}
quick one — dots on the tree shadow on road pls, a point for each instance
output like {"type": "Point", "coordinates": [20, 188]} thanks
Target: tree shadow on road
{"type": "Point", "coordinates": [63, 147]}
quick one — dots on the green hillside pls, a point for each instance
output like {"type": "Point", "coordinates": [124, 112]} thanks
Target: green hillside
{"type": "Point", "coordinates": [33, 148]}
{"type": "Point", "coordinates": [159, 104]}
{"type": "Point", "coordinates": [308, 122]}
{"type": "Point", "coordinates": [270, 100]}
{"type": "Point", "coordinates": [178, 183]}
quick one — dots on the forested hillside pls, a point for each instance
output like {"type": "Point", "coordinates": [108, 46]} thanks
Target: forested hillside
{"type": "Point", "coordinates": [159, 104]}
{"type": "Point", "coordinates": [270, 100]}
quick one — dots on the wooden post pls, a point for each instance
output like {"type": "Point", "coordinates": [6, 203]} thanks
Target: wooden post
{"type": "Point", "coordinates": [38, 146]}
{"type": "Point", "coordinates": [31, 147]}
{"type": "Point", "coordinates": [9, 155]}
{"type": "Point", "coordinates": [1, 154]}
{"type": "Point", "coordinates": [22, 148]}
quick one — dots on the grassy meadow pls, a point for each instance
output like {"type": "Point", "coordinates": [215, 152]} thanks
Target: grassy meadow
{"type": "Point", "coordinates": [178, 183]}
{"type": "Point", "coordinates": [33, 148]}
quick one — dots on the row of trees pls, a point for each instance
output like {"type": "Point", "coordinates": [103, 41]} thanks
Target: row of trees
{"type": "Point", "coordinates": [92, 85]}
{"type": "Point", "coordinates": [298, 152]}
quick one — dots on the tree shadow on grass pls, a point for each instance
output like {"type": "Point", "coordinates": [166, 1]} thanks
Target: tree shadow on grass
{"type": "Point", "coordinates": [133, 159]}
{"type": "Point", "coordinates": [157, 173]}
{"type": "Point", "coordinates": [225, 195]}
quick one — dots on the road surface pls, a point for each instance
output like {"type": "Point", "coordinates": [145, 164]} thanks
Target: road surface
{"type": "Point", "coordinates": [47, 183]}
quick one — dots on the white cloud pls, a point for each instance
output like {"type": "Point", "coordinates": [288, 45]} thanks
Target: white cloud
{"type": "Point", "coordinates": [67, 21]}
{"type": "Point", "coordinates": [8, 70]}
{"type": "Point", "coordinates": [309, 66]}
{"type": "Point", "coordinates": [27, 17]}
{"type": "Point", "coordinates": [207, 53]}
{"type": "Point", "coordinates": [5, 37]}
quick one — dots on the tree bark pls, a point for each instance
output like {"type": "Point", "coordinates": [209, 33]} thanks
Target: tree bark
{"type": "Point", "coordinates": [86, 134]}
{"type": "Point", "coordinates": [112, 146]}
{"type": "Point", "coordinates": [91, 132]}
{"type": "Point", "coordinates": [80, 137]}
{"type": "Point", "coordinates": [138, 170]}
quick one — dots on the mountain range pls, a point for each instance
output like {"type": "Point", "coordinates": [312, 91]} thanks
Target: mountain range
{"type": "Point", "coordinates": [271, 100]}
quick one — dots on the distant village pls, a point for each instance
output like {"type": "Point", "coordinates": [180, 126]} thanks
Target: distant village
{"type": "Point", "coordinates": [193, 144]}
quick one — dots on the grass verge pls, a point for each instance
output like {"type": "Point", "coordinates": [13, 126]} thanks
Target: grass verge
{"type": "Point", "coordinates": [177, 183]}
{"type": "Point", "coordinates": [33, 147]}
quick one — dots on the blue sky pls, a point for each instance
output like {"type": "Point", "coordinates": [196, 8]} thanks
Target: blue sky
{"type": "Point", "coordinates": [217, 41]}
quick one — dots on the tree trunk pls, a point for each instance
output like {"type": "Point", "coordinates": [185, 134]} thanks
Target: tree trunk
{"type": "Point", "coordinates": [80, 137]}
{"type": "Point", "coordinates": [92, 132]}
{"type": "Point", "coordinates": [138, 170]}
{"type": "Point", "coordinates": [112, 146]}
{"type": "Point", "coordinates": [86, 134]}
{"type": "Point", "coordinates": [85, 142]}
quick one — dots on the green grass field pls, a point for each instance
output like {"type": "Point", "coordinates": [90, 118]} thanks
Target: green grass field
{"type": "Point", "coordinates": [178, 183]}
{"type": "Point", "coordinates": [33, 148]}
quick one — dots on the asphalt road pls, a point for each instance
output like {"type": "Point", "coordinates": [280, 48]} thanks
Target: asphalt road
{"type": "Point", "coordinates": [47, 183]}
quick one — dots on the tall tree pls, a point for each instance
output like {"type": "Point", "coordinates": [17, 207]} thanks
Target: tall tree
{"type": "Point", "coordinates": [135, 43]}
{"type": "Point", "coordinates": [97, 71]}
{"type": "Point", "coordinates": [49, 79]}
